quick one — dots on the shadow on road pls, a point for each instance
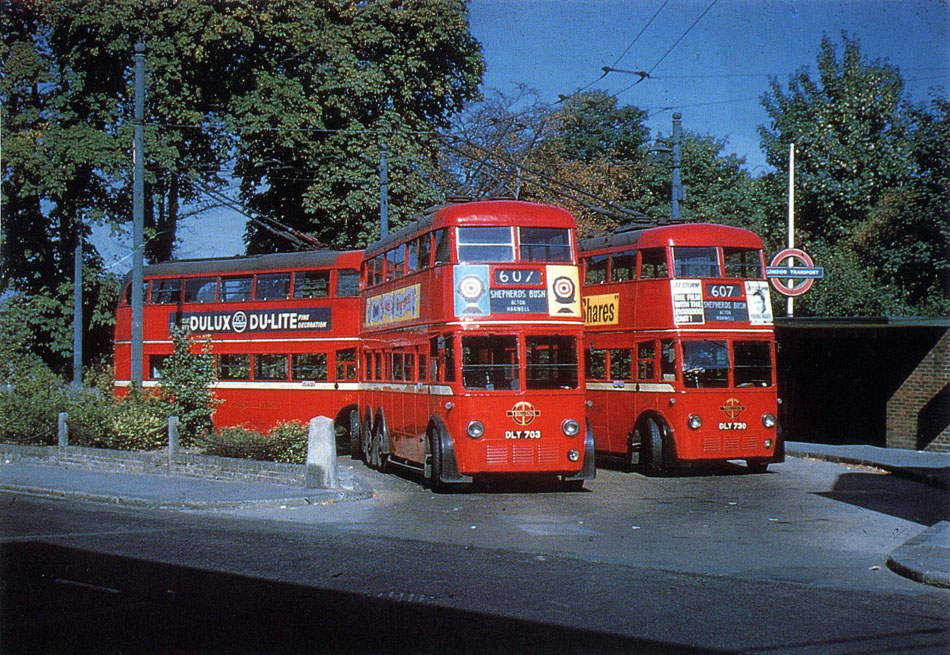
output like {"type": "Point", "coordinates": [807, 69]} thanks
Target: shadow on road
{"type": "Point", "coordinates": [60, 599]}
{"type": "Point", "coordinates": [875, 491]}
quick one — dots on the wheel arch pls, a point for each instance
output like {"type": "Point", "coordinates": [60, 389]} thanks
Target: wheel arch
{"type": "Point", "coordinates": [436, 429]}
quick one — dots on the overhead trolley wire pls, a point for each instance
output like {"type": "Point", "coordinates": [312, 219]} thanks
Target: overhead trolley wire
{"type": "Point", "coordinates": [300, 239]}
{"type": "Point", "coordinates": [626, 50]}
{"type": "Point", "coordinates": [670, 49]}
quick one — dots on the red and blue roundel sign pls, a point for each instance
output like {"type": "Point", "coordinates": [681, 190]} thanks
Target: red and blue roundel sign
{"type": "Point", "coordinates": [782, 274]}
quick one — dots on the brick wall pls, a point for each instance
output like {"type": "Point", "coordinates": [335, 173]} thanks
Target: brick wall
{"type": "Point", "coordinates": [918, 413]}
{"type": "Point", "coordinates": [157, 462]}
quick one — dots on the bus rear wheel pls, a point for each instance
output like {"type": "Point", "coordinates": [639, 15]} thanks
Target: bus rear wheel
{"type": "Point", "coordinates": [366, 442]}
{"type": "Point", "coordinates": [356, 448]}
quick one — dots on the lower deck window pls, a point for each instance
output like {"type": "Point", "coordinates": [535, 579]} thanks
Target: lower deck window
{"type": "Point", "coordinates": [705, 364]}
{"type": "Point", "coordinates": [753, 363]}
{"type": "Point", "coordinates": [490, 363]}
{"type": "Point", "coordinates": [270, 367]}
{"type": "Point", "coordinates": [551, 363]}
{"type": "Point", "coordinates": [234, 367]}
{"type": "Point", "coordinates": [311, 366]}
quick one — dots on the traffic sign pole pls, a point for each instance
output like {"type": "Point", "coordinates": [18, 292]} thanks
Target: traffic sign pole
{"type": "Point", "coordinates": [790, 303]}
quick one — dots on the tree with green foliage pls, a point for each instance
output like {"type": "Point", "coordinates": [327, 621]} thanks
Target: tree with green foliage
{"type": "Point", "coordinates": [297, 95]}
{"type": "Point", "coordinates": [718, 188]}
{"type": "Point", "coordinates": [332, 81]}
{"type": "Point", "coordinates": [871, 192]}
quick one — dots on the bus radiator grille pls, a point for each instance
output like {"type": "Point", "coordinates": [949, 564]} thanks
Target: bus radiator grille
{"type": "Point", "coordinates": [496, 455]}
{"type": "Point", "coordinates": [548, 454]}
{"type": "Point", "coordinates": [523, 454]}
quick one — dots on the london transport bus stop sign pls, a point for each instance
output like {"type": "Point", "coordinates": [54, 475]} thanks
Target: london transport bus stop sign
{"type": "Point", "coordinates": [782, 272]}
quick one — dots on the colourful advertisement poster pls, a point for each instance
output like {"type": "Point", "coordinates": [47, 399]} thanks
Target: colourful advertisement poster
{"type": "Point", "coordinates": [563, 296]}
{"type": "Point", "coordinates": [602, 310]}
{"type": "Point", "coordinates": [394, 306]}
{"type": "Point", "coordinates": [471, 290]}
{"type": "Point", "coordinates": [687, 302]}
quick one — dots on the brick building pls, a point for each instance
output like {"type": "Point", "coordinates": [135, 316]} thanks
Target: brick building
{"type": "Point", "coordinates": [877, 381]}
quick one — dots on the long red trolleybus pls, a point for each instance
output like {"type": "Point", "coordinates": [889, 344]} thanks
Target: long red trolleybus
{"type": "Point", "coordinates": [679, 346]}
{"type": "Point", "coordinates": [471, 336]}
{"type": "Point", "coordinates": [284, 330]}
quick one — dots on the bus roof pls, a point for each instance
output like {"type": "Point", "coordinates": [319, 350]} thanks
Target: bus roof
{"type": "Point", "coordinates": [488, 212]}
{"type": "Point", "coordinates": [256, 263]}
{"type": "Point", "coordinates": [679, 234]}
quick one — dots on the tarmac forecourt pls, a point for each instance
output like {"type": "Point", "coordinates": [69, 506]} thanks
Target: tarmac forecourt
{"type": "Point", "coordinates": [149, 480]}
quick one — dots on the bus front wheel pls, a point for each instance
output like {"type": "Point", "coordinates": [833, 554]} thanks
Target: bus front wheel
{"type": "Point", "coordinates": [756, 466]}
{"type": "Point", "coordinates": [435, 455]}
{"type": "Point", "coordinates": [651, 447]}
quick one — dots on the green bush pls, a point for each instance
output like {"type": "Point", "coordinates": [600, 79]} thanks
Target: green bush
{"type": "Point", "coordinates": [31, 399]}
{"type": "Point", "coordinates": [186, 384]}
{"type": "Point", "coordinates": [286, 442]}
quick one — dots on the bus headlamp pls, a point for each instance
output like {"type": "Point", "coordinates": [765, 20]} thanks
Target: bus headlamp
{"type": "Point", "coordinates": [475, 429]}
{"type": "Point", "coordinates": [570, 427]}
{"type": "Point", "coordinates": [694, 421]}
{"type": "Point", "coordinates": [573, 455]}
{"type": "Point", "coordinates": [768, 420]}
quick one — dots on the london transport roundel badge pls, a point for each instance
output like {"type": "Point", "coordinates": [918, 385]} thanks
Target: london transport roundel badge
{"type": "Point", "coordinates": [732, 408]}
{"type": "Point", "coordinates": [523, 413]}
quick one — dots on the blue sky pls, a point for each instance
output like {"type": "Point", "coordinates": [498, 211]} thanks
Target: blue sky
{"type": "Point", "coordinates": [720, 68]}
{"type": "Point", "coordinates": [709, 59]}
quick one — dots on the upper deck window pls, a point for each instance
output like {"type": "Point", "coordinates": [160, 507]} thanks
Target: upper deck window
{"type": "Point", "coordinates": [596, 272]}
{"type": "Point", "coordinates": [395, 262]}
{"type": "Point", "coordinates": [653, 263]}
{"type": "Point", "coordinates": [545, 244]}
{"type": "Point", "coordinates": [424, 251]}
{"type": "Point", "coordinates": [311, 284]}
{"type": "Point", "coordinates": [272, 286]}
{"type": "Point", "coordinates": [347, 283]}
{"type": "Point", "coordinates": [235, 289]}
{"type": "Point", "coordinates": [486, 244]}
{"type": "Point", "coordinates": [743, 262]}
{"type": "Point", "coordinates": [200, 289]}
{"type": "Point", "coordinates": [165, 291]}
{"type": "Point", "coordinates": [443, 249]}
{"type": "Point", "coordinates": [622, 266]}
{"type": "Point", "coordinates": [693, 261]}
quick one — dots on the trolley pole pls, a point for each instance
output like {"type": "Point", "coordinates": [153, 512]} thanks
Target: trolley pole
{"type": "Point", "coordinates": [383, 192]}
{"type": "Point", "coordinates": [138, 215]}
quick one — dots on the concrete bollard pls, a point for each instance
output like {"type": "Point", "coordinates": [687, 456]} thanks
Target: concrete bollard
{"type": "Point", "coordinates": [321, 455]}
{"type": "Point", "coordinates": [173, 424]}
{"type": "Point", "coordinates": [62, 430]}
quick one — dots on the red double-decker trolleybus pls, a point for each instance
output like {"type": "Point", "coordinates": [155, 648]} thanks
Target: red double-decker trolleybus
{"type": "Point", "coordinates": [471, 334]}
{"type": "Point", "coordinates": [679, 346]}
{"type": "Point", "coordinates": [284, 332]}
